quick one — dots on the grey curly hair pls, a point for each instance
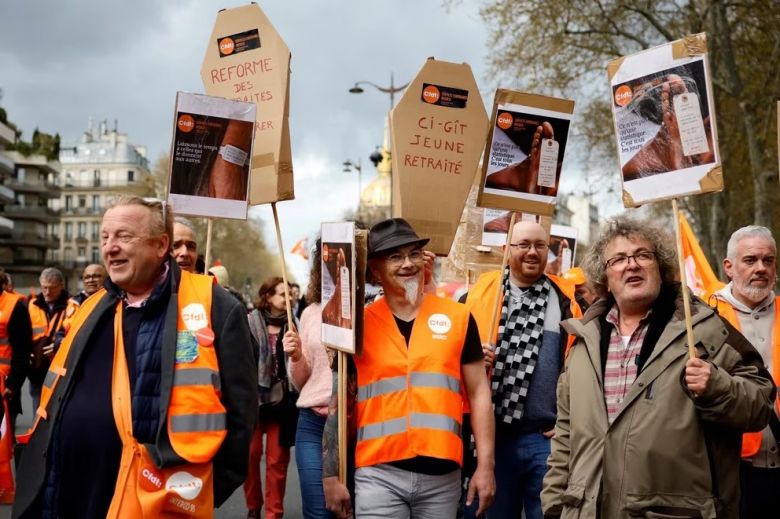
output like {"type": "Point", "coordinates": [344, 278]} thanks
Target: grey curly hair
{"type": "Point", "coordinates": [660, 241]}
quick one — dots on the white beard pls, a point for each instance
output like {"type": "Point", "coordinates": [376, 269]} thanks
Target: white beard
{"type": "Point", "coordinates": [755, 294]}
{"type": "Point", "coordinates": [412, 289]}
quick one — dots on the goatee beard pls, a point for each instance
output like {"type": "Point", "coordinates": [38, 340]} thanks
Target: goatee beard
{"type": "Point", "coordinates": [412, 288]}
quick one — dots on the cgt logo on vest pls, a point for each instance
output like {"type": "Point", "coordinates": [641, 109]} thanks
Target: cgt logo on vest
{"type": "Point", "coordinates": [194, 316]}
{"type": "Point", "coordinates": [439, 324]}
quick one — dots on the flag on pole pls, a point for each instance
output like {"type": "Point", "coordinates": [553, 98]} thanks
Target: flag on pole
{"type": "Point", "coordinates": [301, 248]}
{"type": "Point", "coordinates": [700, 276]}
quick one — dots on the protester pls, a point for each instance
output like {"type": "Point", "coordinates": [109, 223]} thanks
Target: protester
{"type": "Point", "coordinates": [220, 273]}
{"type": "Point", "coordinates": [529, 351]}
{"type": "Point", "coordinates": [185, 246]}
{"type": "Point", "coordinates": [93, 277]}
{"type": "Point", "coordinates": [749, 304]}
{"type": "Point", "coordinates": [278, 415]}
{"type": "Point", "coordinates": [47, 312]}
{"type": "Point", "coordinates": [643, 430]}
{"type": "Point", "coordinates": [15, 346]}
{"type": "Point", "coordinates": [149, 404]}
{"type": "Point", "coordinates": [417, 348]}
{"type": "Point", "coordinates": [310, 373]}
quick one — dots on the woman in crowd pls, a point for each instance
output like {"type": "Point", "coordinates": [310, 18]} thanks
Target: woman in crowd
{"type": "Point", "coordinates": [277, 416]}
{"type": "Point", "coordinates": [311, 375]}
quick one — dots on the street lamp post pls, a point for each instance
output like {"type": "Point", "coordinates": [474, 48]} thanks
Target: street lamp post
{"type": "Point", "coordinates": [350, 166]}
{"type": "Point", "coordinates": [392, 89]}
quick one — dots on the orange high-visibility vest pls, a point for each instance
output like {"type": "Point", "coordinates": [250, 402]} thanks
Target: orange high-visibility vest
{"type": "Point", "coordinates": [7, 304]}
{"type": "Point", "coordinates": [197, 421]}
{"type": "Point", "coordinates": [751, 441]}
{"type": "Point", "coordinates": [482, 298]}
{"type": "Point", "coordinates": [70, 312]}
{"type": "Point", "coordinates": [408, 401]}
{"type": "Point", "coordinates": [7, 486]}
{"type": "Point", "coordinates": [42, 326]}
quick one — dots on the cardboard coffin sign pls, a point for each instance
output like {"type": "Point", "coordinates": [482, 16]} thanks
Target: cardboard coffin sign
{"type": "Point", "coordinates": [524, 152]}
{"type": "Point", "coordinates": [247, 60]}
{"type": "Point", "coordinates": [210, 156]}
{"type": "Point", "coordinates": [439, 128]}
{"type": "Point", "coordinates": [664, 115]}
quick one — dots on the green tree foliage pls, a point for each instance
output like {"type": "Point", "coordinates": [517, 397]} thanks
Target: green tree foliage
{"type": "Point", "coordinates": [239, 245]}
{"type": "Point", "coordinates": [561, 47]}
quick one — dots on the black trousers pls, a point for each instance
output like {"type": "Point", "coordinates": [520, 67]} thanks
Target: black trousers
{"type": "Point", "coordinates": [759, 490]}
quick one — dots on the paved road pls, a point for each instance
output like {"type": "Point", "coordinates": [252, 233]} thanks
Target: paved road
{"type": "Point", "coordinates": [234, 508]}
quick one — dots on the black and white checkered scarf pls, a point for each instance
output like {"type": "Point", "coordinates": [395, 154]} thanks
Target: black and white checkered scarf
{"type": "Point", "coordinates": [518, 348]}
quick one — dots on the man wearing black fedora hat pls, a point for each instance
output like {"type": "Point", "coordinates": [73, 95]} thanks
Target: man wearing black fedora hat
{"type": "Point", "coordinates": [418, 350]}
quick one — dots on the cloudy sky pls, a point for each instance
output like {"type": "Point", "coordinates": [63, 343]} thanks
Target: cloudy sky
{"type": "Point", "coordinates": [65, 61]}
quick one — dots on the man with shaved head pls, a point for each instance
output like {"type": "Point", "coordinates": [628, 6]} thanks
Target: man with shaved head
{"type": "Point", "coordinates": [524, 359]}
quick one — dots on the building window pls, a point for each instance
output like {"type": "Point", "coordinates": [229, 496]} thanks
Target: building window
{"type": "Point", "coordinates": [96, 178]}
{"type": "Point", "coordinates": [82, 231]}
{"type": "Point", "coordinates": [96, 203]}
{"type": "Point", "coordinates": [68, 202]}
{"type": "Point", "coordinates": [21, 173]}
{"type": "Point", "coordinates": [95, 255]}
{"type": "Point", "coordinates": [82, 201]}
{"type": "Point", "coordinates": [95, 231]}
{"type": "Point", "coordinates": [131, 176]}
{"type": "Point", "coordinates": [68, 231]}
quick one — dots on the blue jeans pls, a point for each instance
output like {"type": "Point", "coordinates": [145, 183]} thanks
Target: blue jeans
{"type": "Point", "coordinates": [308, 458]}
{"type": "Point", "coordinates": [521, 462]}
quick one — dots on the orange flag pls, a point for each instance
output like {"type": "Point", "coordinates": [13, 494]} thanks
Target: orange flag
{"type": "Point", "coordinates": [700, 276]}
{"type": "Point", "coordinates": [301, 248]}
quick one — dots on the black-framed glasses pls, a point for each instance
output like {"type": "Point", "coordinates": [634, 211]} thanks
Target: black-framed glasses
{"type": "Point", "coordinates": [526, 246]}
{"type": "Point", "coordinates": [642, 258]}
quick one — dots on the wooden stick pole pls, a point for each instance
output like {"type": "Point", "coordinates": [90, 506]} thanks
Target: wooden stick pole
{"type": "Point", "coordinates": [207, 258]}
{"type": "Point", "coordinates": [342, 423]}
{"type": "Point", "coordinates": [500, 292]}
{"type": "Point", "coordinates": [284, 268]}
{"type": "Point", "coordinates": [683, 281]}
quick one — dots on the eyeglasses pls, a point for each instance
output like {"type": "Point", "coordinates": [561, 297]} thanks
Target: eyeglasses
{"type": "Point", "coordinates": [526, 246]}
{"type": "Point", "coordinates": [642, 258]}
{"type": "Point", "coordinates": [92, 276]}
{"type": "Point", "coordinates": [397, 259]}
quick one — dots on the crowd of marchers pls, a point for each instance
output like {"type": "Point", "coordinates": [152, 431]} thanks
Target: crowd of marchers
{"type": "Point", "coordinates": [157, 390]}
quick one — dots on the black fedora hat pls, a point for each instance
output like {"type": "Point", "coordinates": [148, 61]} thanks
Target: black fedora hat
{"type": "Point", "coordinates": [391, 234]}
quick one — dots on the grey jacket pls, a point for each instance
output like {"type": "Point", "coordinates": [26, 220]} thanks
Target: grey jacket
{"type": "Point", "coordinates": [667, 454]}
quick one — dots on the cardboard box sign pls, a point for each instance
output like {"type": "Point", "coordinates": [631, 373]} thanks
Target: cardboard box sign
{"type": "Point", "coordinates": [247, 60]}
{"type": "Point", "coordinates": [664, 115]}
{"type": "Point", "coordinates": [524, 152]}
{"type": "Point", "coordinates": [439, 128]}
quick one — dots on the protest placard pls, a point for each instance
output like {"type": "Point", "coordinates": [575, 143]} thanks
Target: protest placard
{"type": "Point", "coordinates": [563, 245]}
{"type": "Point", "coordinates": [524, 152]}
{"type": "Point", "coordinates": [664, 117]}
{"type": "Point", "coordinates": [438, 129]}
{"type": "Point", "coordinates": [342, 281]}
{"type": "Point", "coordinates": [246, 59]}
{"type": "Point", "coordinates": [210, 156]}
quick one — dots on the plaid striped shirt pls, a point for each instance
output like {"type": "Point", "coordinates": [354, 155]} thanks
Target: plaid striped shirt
{"type": "Point", "coordinates": [621, 370]}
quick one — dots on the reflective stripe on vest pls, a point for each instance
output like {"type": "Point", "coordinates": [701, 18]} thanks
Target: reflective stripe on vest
{"type": "Point", "coordinates": [8, 301]}
{"type": "Point", "coordinates": [751, 441]}
{"type": "Point", "coordinates": [198, 422]}
{"type": "Point", "coordinates": [409, 402]}
{"type": "Point", "coordinates": [416, 379]}
{"type": "Point", "coordinates": [197, 377]}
